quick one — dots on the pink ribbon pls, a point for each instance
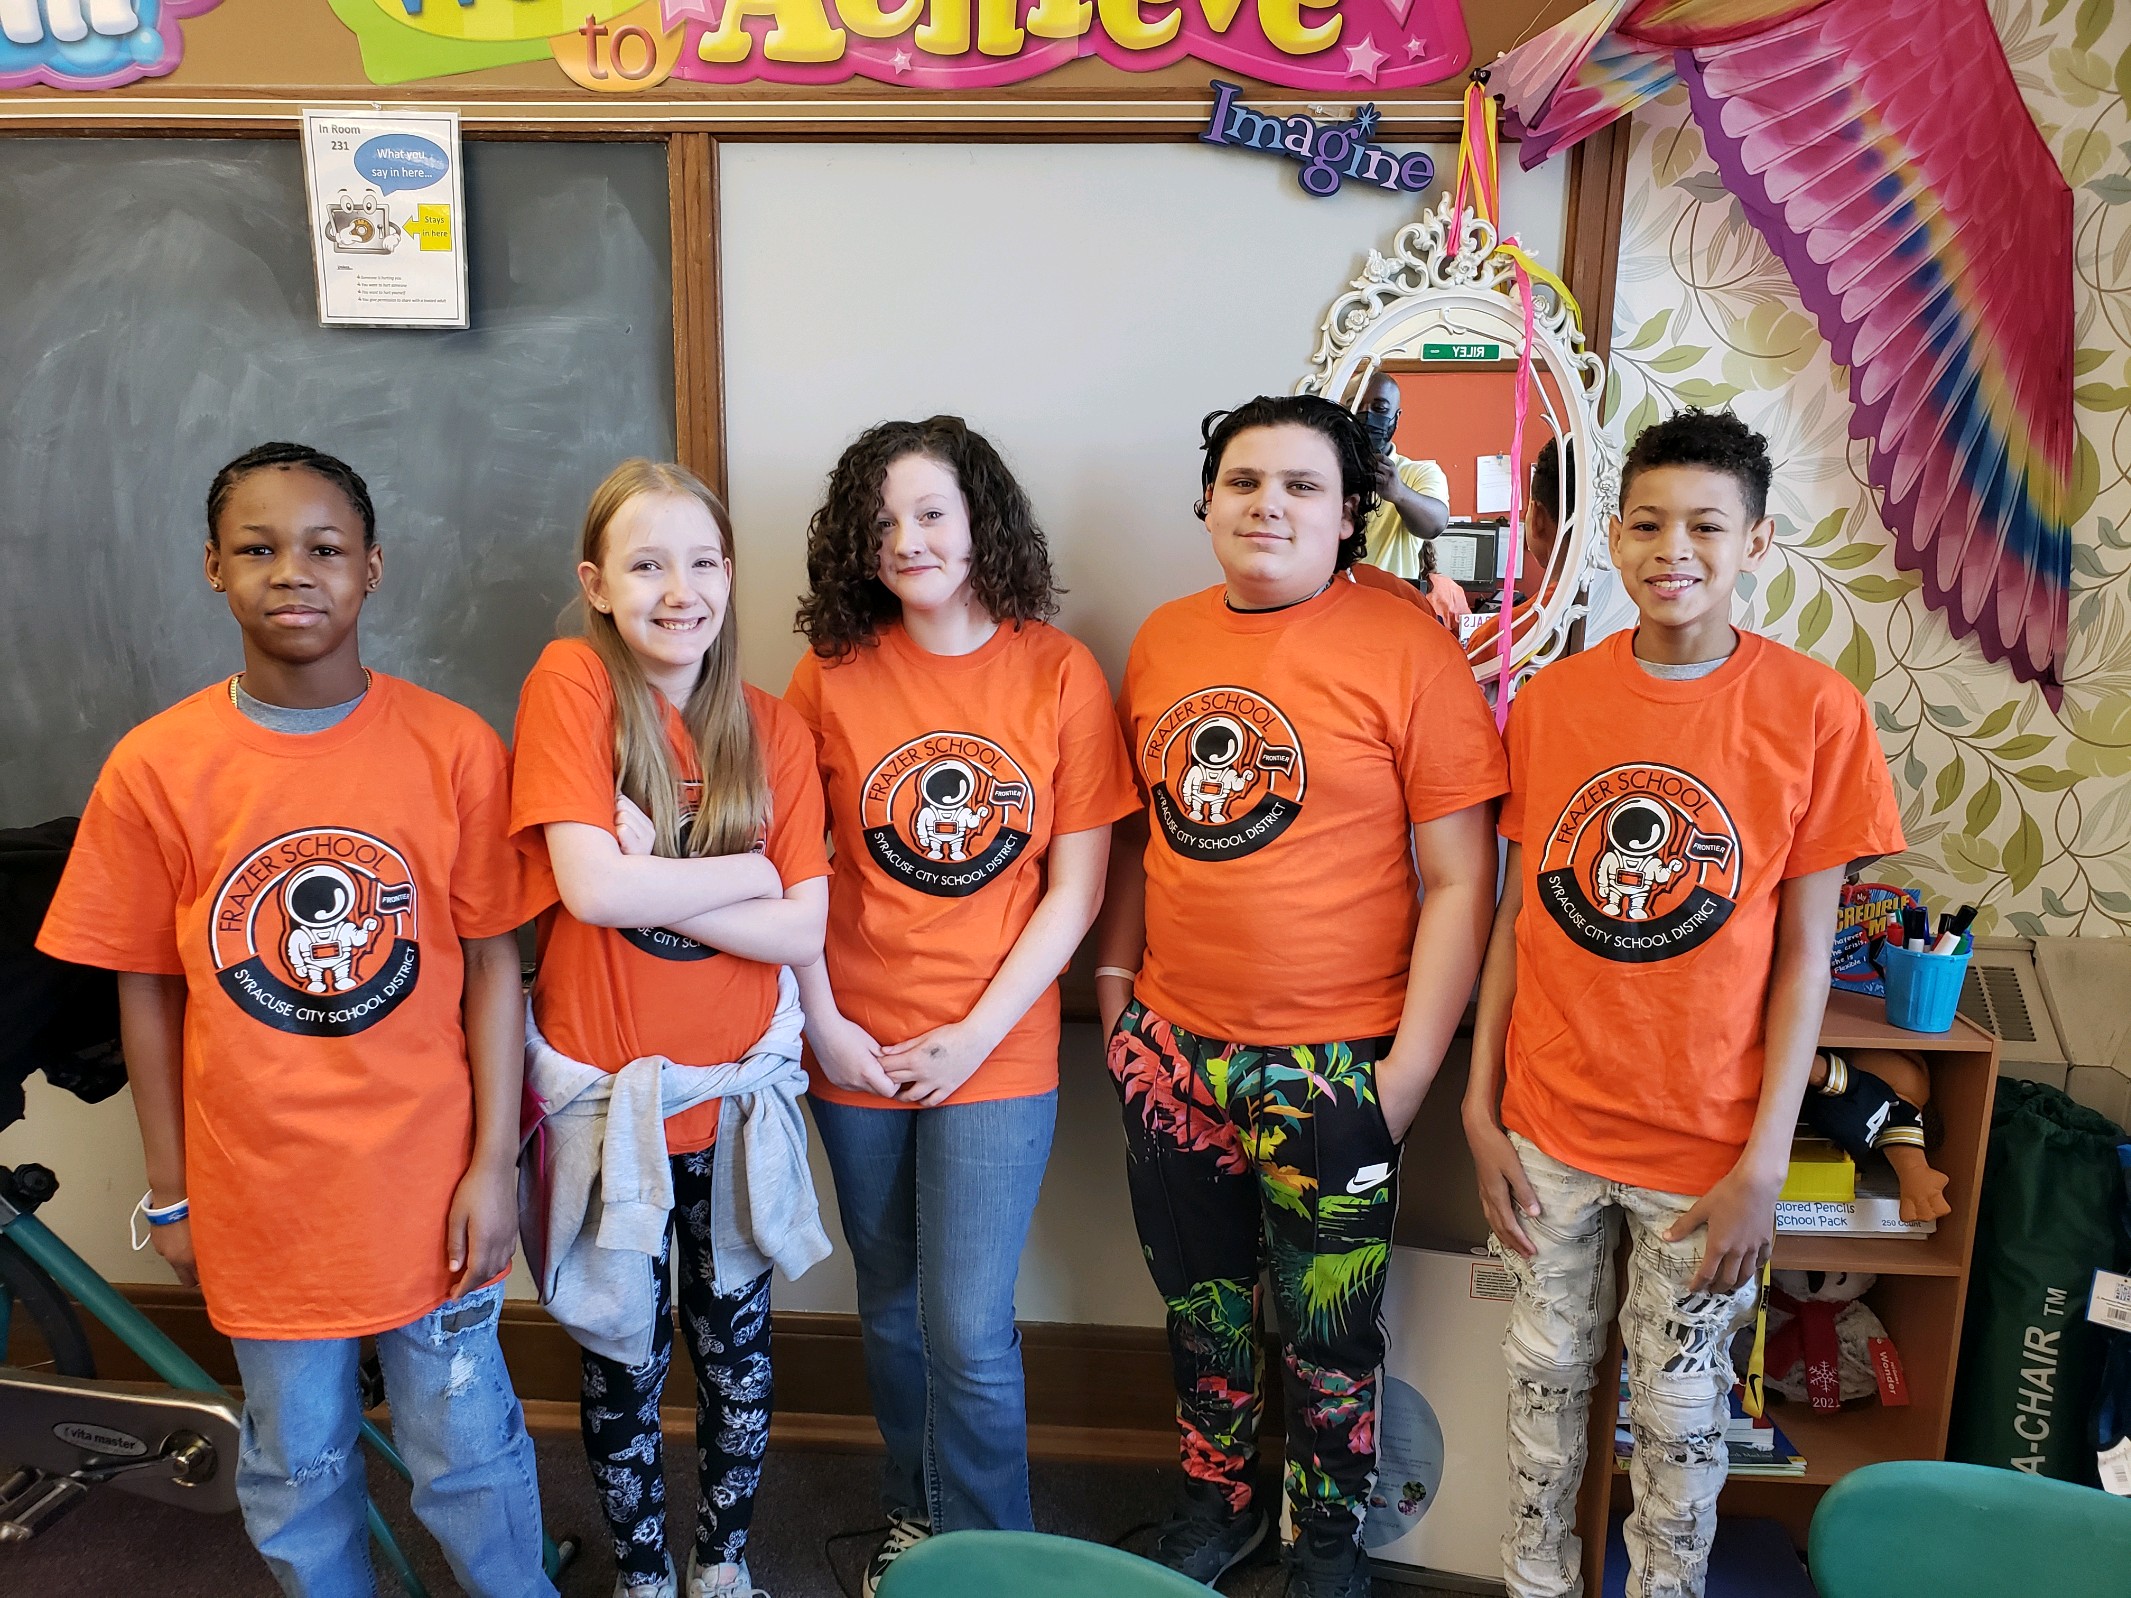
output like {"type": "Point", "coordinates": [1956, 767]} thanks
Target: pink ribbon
{"type": "Point", "coordinates": [1504, 687]}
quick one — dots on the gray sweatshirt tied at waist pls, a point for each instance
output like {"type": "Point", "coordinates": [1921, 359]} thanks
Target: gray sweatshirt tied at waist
{"type": "Point", "coordinates": [595, 1193]}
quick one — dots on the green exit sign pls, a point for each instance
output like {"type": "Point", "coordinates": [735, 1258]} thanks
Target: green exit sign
{"type": "Point", "coordinates": [1461, 351]}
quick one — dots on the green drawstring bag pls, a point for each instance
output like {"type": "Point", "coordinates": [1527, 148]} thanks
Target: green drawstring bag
{"type": "Point", "coordinates": [2030, 1359]}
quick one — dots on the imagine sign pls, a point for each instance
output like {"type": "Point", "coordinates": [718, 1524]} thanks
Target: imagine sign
{"type": "Point", "coordinates": [1330, 152]}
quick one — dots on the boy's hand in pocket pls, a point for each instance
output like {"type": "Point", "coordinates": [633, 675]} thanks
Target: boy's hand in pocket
{"type": "Point", "coordinates": [1506, 1194]}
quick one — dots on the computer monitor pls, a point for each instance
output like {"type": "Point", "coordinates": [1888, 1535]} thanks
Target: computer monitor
{"type": "Point", "coordinates": [1474, 554]}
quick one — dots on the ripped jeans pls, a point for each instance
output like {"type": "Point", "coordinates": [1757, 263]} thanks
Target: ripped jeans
{"type": "Point", "coordinates": [455, 1420]}
{"type": "Point", "coordinates": [1679, 1379]}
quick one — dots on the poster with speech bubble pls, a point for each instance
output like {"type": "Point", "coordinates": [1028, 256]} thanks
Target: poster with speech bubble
{"type": "Point", "coordinates": [387, 217]}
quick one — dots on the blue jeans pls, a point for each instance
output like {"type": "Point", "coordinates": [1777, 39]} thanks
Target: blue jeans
{"type": "Point", "coordinates": [936, 1207]}
{"type": "Point", "coordinates": [455, 1420]}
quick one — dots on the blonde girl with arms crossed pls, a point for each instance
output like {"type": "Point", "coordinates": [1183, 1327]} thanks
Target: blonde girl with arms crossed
{"type": "Point", "coordinates": [677, 816]}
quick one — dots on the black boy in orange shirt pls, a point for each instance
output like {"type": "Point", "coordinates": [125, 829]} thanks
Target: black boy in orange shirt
{"type": "Point", "coordinates": [1684, 799]}
{"type": "Point", "coordinates": [318, 988]}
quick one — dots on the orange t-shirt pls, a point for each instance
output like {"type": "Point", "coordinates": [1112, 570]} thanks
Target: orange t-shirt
{"type": "Point", "coordinates": [1447, 600]}
{"type": "Point", "coordinates": [1286, 755]}
{"type": "Point", "coordinates": [1659, 820]}
{"type": "Point", "coordinates": [948, 776]}
{"type": "Point", "coordinates": [312, 890]}
{"type": "Point", "coordinates": [609, 995]}
{"type": "Point", "coordinates": [1364, 575]}
{"type": "Point", "coordinates": [1488, 635]}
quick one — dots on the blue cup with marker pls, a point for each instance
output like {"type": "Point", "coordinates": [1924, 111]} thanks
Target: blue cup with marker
{"type": "Point", "coordinates": [1924, 989]}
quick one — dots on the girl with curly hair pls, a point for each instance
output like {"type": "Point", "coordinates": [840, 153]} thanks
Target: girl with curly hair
{"type": "Point", "coordinates": [972, 768]}
{"type": "Point", "coordinates": [1278, 995]}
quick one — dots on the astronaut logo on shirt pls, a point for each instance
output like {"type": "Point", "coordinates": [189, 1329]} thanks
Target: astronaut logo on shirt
{"type": "Point", "coordinates": [315, 932]}
{"type": "Point", "coordinates": [947, 813]}
{"type": "Point", "coordinates": [661, 942]}
{"type": "Point", "coordinates": [1643, 864]}
{"type": "Point", "coordinates": [1226, 772]}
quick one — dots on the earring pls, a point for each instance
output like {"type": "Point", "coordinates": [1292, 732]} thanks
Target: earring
{"type": "Point", "coordinates": [217, 587]}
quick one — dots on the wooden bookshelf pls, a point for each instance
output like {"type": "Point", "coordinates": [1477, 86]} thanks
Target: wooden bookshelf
{"type": "Point", "coordinates": [1922, 1289]}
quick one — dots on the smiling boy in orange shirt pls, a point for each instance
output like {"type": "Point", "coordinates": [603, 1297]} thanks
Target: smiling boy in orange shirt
{"type": "Point", "coordinates": [1684, 799]}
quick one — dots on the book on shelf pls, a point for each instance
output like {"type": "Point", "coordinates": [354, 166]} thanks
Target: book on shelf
{"type": "Point", "coordinates": [1755, 1448]}
{"type": "Point", "coordinates": [1875, 1211]}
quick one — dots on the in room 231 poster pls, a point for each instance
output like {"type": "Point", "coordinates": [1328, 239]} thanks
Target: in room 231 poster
{"type": "Point", "coordinates": [387, 217]}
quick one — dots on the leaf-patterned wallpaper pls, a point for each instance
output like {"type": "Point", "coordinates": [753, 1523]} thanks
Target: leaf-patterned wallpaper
{"type": "Point", "coordinates": [2023, 812]}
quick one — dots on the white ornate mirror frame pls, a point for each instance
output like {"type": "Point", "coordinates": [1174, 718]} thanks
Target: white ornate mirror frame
{"type": "Point", "coordinates": [1426, 290]}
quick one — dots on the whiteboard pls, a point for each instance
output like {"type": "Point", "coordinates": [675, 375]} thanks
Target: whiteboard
{"type": "Point", "coordinates": [1082, 305]}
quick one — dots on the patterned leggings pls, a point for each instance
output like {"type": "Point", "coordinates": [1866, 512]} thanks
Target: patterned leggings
{"type": "Point", "coordinates": [1238, 1156]}
{"type": "Point", "coordinates": [729, 1345]}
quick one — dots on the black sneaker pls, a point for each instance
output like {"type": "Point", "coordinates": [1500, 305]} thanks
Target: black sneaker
{"type": "Point", "coordinates": [1207, 1538]}
{"type": "Point", "coordinates": [904, 1533]}
{"type": "Point", "coordinates": [1327, 1562]}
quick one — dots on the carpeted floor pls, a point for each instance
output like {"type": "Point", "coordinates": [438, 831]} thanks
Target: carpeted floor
{"type": "Point", "coordinates": [116, 1544]}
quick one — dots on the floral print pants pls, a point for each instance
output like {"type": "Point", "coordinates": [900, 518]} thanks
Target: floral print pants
{"type": "Point", "coordinates": [1240, 1157]}
{"type": "Point", "coordinates": [729, 1345]}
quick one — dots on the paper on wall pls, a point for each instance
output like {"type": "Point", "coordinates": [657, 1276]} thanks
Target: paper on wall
{"type": "Point", "coordinates": [387, 217]}
{"type": "Point", "coordinates": [1491, 485]}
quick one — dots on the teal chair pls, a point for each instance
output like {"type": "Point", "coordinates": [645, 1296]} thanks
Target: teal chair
{"type": "Point", "coordinates": [1921, 1528]}
{"type": "Point", "coordinates": [1028, 1564]}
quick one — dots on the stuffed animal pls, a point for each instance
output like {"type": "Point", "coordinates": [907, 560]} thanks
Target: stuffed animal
{"type": "Point", "coordinates": [1824, 1343]}
{"type": "Point", "coordinates": [1874, 1100]}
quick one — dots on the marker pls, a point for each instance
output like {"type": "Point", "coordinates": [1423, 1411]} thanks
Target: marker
{"type": "Point", "coordinates": [1956, 927]}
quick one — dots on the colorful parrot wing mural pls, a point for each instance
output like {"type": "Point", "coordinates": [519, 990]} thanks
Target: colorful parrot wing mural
{"type": "Point", "coordinates": [1616, 77]}
{"type": "Point", "coordinates": [1573, 79]}
{"type": "Point", "coordinates": [1928, 229]}
{"type": "Point", "coordinates": [1883, 151]}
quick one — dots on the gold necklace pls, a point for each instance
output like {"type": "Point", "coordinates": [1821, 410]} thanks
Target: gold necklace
{"type": "Point", "coordinates": [367, 681]}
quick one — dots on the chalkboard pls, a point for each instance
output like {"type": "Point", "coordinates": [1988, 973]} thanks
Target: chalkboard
{"type": "Point", "coordinates": [157, 317]}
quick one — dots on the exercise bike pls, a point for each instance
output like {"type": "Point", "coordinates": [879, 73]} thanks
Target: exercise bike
{"type": "Point", "coordinates": [69, 1432]}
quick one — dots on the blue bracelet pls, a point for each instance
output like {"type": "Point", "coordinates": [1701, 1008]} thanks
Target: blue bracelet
{"type": "Point", "coordinates": [168, 1215]}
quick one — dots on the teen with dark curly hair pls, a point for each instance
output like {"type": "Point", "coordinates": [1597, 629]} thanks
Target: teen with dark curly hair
{"type": "Point", "coordinates": [973, 768]}
{"type": "Point", "coordinates": [1277, 996]}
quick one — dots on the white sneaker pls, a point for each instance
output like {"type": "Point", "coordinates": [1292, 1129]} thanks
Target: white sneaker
{"type": "Point", "coordinates": [721, 1581]}
{"type": "Point", "coordinates": [904, 1533]}
{"type": "Point", "coordinates": [656, 1587]}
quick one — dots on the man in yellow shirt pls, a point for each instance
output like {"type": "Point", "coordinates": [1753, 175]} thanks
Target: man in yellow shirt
{"type": "Point", "coordinates": [1413, 495]}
